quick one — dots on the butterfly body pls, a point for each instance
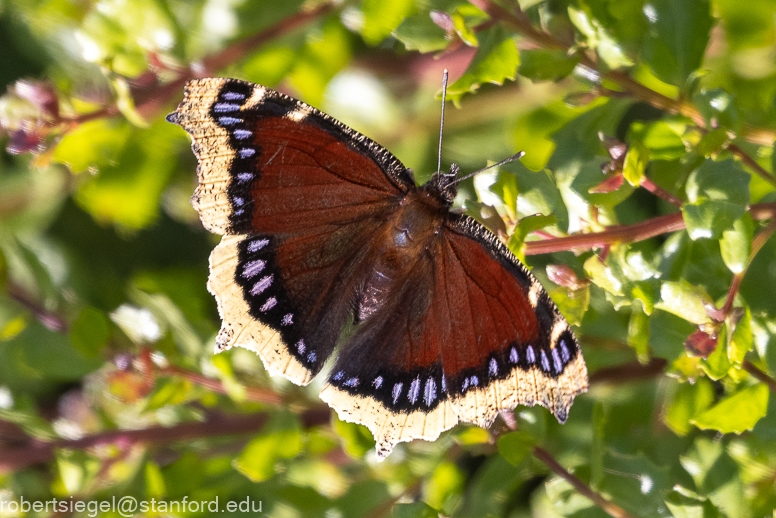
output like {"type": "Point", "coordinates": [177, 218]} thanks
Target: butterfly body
{"type": "Point", "coordinates": [325, 231]}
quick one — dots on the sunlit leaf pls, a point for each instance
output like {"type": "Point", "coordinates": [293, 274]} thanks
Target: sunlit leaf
{"type": "Point", "coordinates": [737, 413]}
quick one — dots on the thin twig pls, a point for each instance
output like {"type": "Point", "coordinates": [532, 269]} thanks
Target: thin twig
{"type": "Point", "coordinates": [583, 489]}
{"type": "Point", "coordinates": [254, 394]}
{"type": "Point", "coordinates": [752, 164]}
{"type": "Point", "coordinates": [49, 319]}
{"type": "Point", "coordinates": [661, 193]}
{"type": "Point", "coordinates": [759, 374]}
{"type": "Point", "coordinates": [629, 233]}
{"type": "Point", "coordinates": [629, 372]}
{"type": "Point", "coordinates": [738, 278]}
{"type": "Point", "coordinates": [13, 459]}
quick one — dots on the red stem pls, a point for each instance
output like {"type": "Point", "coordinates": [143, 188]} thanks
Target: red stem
{"type": "Point", "coordinates": [629, 233]}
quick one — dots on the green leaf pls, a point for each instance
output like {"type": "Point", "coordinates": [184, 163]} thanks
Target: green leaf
{"type": "Point", "coordinates": [636, 161]}
{"type": "Point", "coordinates": [602, 275]}
{"type": "Point", "coordinates": [684, 300]}
{"type": "Point", "coordinates": [677, 37]}
{"type": "Point", "coordinates": [687, 401]}
{"type": "Point", "coordinates": [515, 446]}
{"type": "Point", "coordinates": [526, 226]}
{"type": "Point", "coordinates": [325, 53]}
{"type": "Point", "coordinates": [496, 60]}
{"type": "Point", "coordinates": [546, 64]}
{"type": "Point", "coordinates": [381, 18]}
{"type": "Point", "coordinates": [573, 306]}
{"type": "Point", "coordinates": [538, 194]}
{"type": "Point", "coordinates": [661, 138]}
{"type": "Point", "coordinates": [279, 439]}
{"type": "Point", "coordinates": [638, 334]}
{"type": "Point", "coordinates": [737, 413]}
{"type": "Point", "coordinates": [505, 187]}
{"type": "Point", "coordinates": [89, 332]}
{"type": "Point", "coordinates": [742, 338]}
{"type": "Point", "coordinates": [599, 39]}
{"type": "Point", "coordinates": [716, 475]}
{"type": "Point", "coordinates": [719, 181]}
{"type": "Point", "coordinates": [127, 191]}
{"type": "Point", "coordinates": [420, 33]}
{"type": "Point", "coordinates": [170, 391]}
{"type": "Point", "coordinates": [736, 243]}
{"type": "Point", "coordinates": [718, 109]}
{"type": "Point", "coordinates": [356, 438]}
{"type": "Point", "coordinates": [683, 506]}
{"type": "Point", "coordinates": [414, 510]}
{"type": "Point", "coordinates": [466, 34]}
{"type": "Point", "coordinates": [718, 365]}
{"type": "Point", "coordinates": [708, 219]}
{"type": "Point", "coordinates": [446, 481]}
{"type": "Point", "coordinates": [154, 481]}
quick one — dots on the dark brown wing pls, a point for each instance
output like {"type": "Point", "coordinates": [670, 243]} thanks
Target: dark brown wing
{"type": "Point", "coordinates": [471, 334]}
{"type": "Point", "coordinates": [298, 195]}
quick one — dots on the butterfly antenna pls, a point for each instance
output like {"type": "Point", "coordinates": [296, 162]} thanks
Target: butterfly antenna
{"type": "Point", "coordinates": [514, 157]}
{"type": "Point", "coordinates": [442, 123]}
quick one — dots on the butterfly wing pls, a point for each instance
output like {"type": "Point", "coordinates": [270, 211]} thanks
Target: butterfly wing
{"type": "Point", "coordinates": [472, 333]}
{"type": "Point", "coordinates": [295, 192]}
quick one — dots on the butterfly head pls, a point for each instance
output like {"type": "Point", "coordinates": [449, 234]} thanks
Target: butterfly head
{"type": "Point", "coordinates": [444, 185]}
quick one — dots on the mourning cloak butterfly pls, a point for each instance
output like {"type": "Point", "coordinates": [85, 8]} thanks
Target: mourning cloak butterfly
{"type": "Point", "coordinates": [329, 244]}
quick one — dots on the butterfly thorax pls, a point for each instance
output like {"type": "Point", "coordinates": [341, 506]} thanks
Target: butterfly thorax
{"type": "Point", "coordinates": [407, 237]}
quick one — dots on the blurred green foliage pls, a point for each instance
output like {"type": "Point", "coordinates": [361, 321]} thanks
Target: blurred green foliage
{"type": "Point", "coordinates": [106, 324]}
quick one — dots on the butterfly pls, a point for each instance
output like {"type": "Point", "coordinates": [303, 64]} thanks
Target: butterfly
{"type": "Point", "coordinates": [330, 247]}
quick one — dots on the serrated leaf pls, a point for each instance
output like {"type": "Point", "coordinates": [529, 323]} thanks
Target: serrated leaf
{"type": "Point", "coordinates": [496, 61]}
{"type": "Point", "coordinates": [736, 243]}
{"type": "Point", "coordinates": [737, 413]}
{"type": "Point", "coordinates": [683, 506]}
{"type": "Point", "coordinates": [546, 64]}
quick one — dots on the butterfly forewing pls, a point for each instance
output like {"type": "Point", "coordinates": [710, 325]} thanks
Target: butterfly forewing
{"type": "Point", "coordinates": [300, 191]}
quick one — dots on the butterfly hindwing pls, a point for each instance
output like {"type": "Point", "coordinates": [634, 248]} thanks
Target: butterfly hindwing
{"type": "Point", "coordinates": [525, 351]}
{"type": "Point", "coordinates": [299, 190]}
{"type": "Point", "coordinates": [484, 338]}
